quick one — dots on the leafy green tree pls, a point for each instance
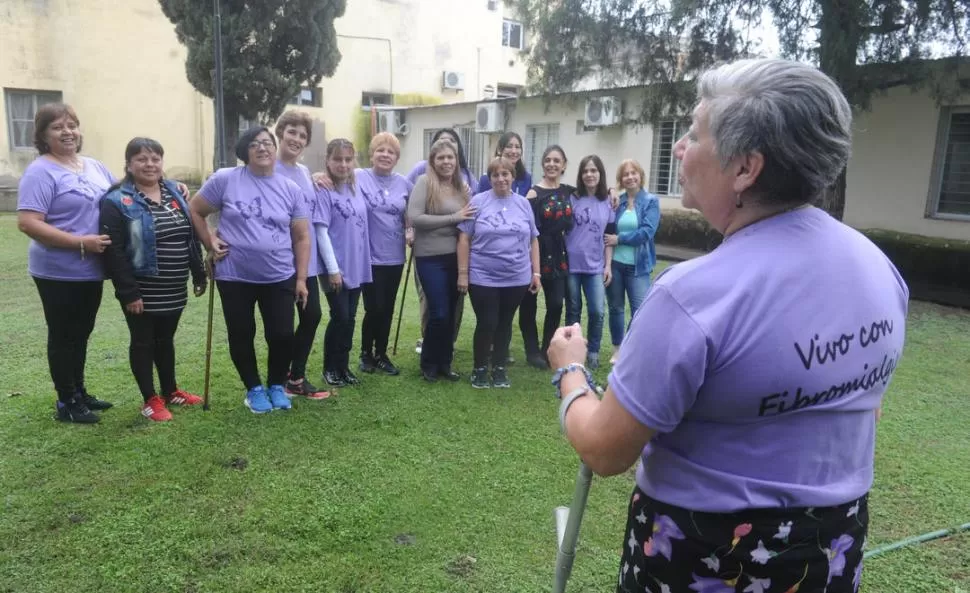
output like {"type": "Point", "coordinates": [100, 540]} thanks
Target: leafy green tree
{"type": "Point", "coordinates": [867, 46]}
{"type": "Point", "coordinates": [270, 49]}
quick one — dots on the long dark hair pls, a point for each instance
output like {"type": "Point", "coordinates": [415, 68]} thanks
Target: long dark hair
{"type": "Point", "coordinates": [462, 161]}
{"type": "Point", "coordinates": [503, 141]}
{"type": "Point", "coordinates": [136, 146]}
{"type": "Point", "coordinates": [601, 192]}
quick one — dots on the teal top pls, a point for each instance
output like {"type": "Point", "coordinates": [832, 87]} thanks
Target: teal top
{"type": "Point", "coordinates": [626, 254]}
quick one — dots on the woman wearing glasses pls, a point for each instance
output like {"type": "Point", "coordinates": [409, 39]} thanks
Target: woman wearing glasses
{"type": "Point", "coordinates": [261, 252]}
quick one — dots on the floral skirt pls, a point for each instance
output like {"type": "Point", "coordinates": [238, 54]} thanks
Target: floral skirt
{"type": "Point", "coordinates": [668, 549]}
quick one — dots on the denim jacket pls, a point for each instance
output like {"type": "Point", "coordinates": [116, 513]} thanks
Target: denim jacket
{"type": "Point", "coordinates": [125, 217]}
{"type": "Point", "coordinates": [648, 221]}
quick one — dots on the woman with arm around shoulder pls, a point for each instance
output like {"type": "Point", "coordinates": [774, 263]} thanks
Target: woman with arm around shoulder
{"type": "Point", "coordinates": [439, 202]}
{"type": "Point", "coordinates": [57, 207]}
{"type": "Point", "coordinates": [153, 252]}
{"type": "Point", "coordinates": [760, 455]}
{"type": "Point", "coordinates": [554, 218]}
{"type": "Point", "coordinates": [386, 195]}
{"type": "Point", "coordinates": [498, 262]}
{"type": "Point", "coordinates": [634, 254]}
{"type": "Point", "coordinates": [344, 244]}
{"type": "Point", "coordinates": [509, 147]}
{"type": "Point", "coordinates": [589, 259]}
{"type": "Point", "coordinates": [260, 257]}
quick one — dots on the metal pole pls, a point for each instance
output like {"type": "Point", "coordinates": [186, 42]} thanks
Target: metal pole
{"type": "Point", "coordinates": [567, 528]}
{"type": "Point", "coordinates": [211, 265]}
{"type": "Point", "coordinates": [220, 107]}
{"type": "Point", "coordinates": [400, 312]}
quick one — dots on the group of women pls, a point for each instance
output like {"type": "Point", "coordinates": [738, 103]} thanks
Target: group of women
{"type": "Point", "coordinates": [278, 236]}
{"type": "Point", "coordinates": [717, 383]}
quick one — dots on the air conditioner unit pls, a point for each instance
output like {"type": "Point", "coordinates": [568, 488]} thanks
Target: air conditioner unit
{"type": "Point", "coordinates": [392, 121]}
{"type": "Point", "coordinates": [603, 111]}
{"type": "Point", "coordinates": [451, 80]}
{"type": "Point", "coordinates": [490, 118]}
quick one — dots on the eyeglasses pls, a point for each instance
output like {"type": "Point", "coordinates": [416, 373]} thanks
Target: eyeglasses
{"type": "Point", "coordinates": [262, 144]}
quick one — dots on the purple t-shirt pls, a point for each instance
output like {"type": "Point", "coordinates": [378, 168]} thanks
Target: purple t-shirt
{"type": "Point", "coordinates": [501, 236]}
{"type": "Point", "coordinates": [69, 202]}
{"type": "Point", "coordinates": [584, 243]}
{"type": "Point", "coordinates": [761, 366]}
{"type": "Point", "coordinates": [256, 214]}
{"type": "Point", "coordinates": [344, 213]}
{"type": "Point", "coordinates": [300, 175]}
{"type": "Point", "coordinates": [387, 203]}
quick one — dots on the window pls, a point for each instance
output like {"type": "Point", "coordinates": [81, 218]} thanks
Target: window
{"type": "Point", "coordinates": [537, 139]}
{"type": "Point", "coordinates": [21, 108]}
{"type": "Point", "coordinates": [308, 97]}
{"type": "Point", "coordinates": [512, 34]}
{"type": "Point", "coordinates": [377, 98]}
{"type": "Point", "coordinates": [950, 194]}
{"type": "Point", "coordinates": [507, 91]}
{"type": "Point", "coordinates": [664, 168]}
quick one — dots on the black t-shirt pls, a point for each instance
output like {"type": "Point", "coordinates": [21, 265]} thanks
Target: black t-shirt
{"type": "Point", "coordinates": [554, 218]}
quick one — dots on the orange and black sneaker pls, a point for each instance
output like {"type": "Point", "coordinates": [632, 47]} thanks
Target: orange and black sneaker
{"type": "Point", "coordinates": [306, 389]}
{"type": "Point", "coordinates": [154, 409]}
{"type": "Point", "coordinates": [182, 398]}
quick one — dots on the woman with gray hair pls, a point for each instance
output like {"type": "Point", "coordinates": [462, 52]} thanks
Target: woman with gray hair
{"type": "Point", "coordinates": [754, 376]}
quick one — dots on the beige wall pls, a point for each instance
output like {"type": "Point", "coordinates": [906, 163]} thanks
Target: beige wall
{"type": "Point", "coordinates": [123, 71]}
{"type": "Point", "coordinates": [893, 159]}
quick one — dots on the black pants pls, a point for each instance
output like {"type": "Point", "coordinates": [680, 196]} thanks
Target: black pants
{"type": "Point", "coordinates": [70, 309]}
{"type": "Point", "coordinates": [379, 297]}
{"type": "Point", "coordinates": [439, 280]}
{"type": "Point", "coordinates": [152, 345]}
{"type": "Point", "coordinates": [306, 330]}
{"type": "Point", "coordinates": [276, 308]}
{"type": "Point", "coordinates": [554, 290]}
{"type": "Point", "coordinates": [494, 310]}
{"type": "Point", "coordinates": [339, 337]}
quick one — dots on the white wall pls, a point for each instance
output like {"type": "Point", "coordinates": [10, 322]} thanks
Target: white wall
{"type": "Point", "coordinates": [888, 180]}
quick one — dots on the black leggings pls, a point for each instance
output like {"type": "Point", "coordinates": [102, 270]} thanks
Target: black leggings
{"type": "Point", "coordinates": [554, 290]}
{"type": "Point", "coordinates": [70, 309]}
{"type": "Point", "coordinates": [494, 310]}
{"type": "Point", "coordinates": [151, 345]}
{"type": "Point", "coordinates": [379, 297]}
{"type": "Point", "coordinates": [339, 337]}
{"type": "Point", "coordinates": [276, 308]}
{"type": "Point", "coordinates": [306, 330]}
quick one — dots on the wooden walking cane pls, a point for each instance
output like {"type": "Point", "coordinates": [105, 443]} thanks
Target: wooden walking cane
{"type": "Point", "coordinates": [211, 265]}
{"type": "Point", "coordinates": [400, 312]}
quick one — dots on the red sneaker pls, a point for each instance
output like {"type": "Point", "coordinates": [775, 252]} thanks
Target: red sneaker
{"type": "Point", "coordinates": [183, 398]}
{"type": "Point", "coordinates": [154, 409]}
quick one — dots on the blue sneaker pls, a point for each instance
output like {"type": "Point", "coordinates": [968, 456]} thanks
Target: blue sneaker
{"type": "Point", "coordinates": [256, 400]}
{"type": "Point", "coordinates": [278, 396]}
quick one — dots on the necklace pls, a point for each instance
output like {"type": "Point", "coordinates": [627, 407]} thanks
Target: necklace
{"type": "Point", "coordinates": [74, 165]}
{"type": "Point", "coordinates": [385, 182]}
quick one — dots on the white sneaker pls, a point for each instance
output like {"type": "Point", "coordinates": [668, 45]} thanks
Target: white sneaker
{"type": "Point", "coordinates": [417, 346]}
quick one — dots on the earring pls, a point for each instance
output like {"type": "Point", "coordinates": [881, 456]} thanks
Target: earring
{"type": "Point", "coordinates": [739, 203]}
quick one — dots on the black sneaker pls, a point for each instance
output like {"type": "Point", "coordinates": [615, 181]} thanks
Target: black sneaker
{"type": "Point", "coordinates": [500, 378]}
{"type": "Point", "coordinates": [538, 361]}
{"type": "Point", "coordinates": [368, 364]}
{"type": "Point", "coordinates": [387, 367]}
{"type": "Point", "coordinates": [431, 376]}
{"type": "Point", "coordinates": [349, 378]}
{"type": "Point", "coordinates": [305, 388]}
{"type": "Point", "coordinates": [480, 378]}
{"type": "Point", "coordinates": [75, 411]}
{"type": "Point", "coordinates": [334, 378]}
{"type": "Point", "coordinates": [448, 375]}
{"type": "Point", "coordinates": [92, 402]}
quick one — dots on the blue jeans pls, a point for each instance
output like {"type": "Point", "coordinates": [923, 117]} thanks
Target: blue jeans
{"type": "Point", "coordinates": [439, 280]}
{"type": "Point", "coordinates": [592, 286]}
{"type": "Point", "coordinates": [625, 281]}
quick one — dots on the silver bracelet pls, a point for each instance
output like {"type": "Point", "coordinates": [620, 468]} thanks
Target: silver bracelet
{"type": "Point", "coordinates": [568, 400]}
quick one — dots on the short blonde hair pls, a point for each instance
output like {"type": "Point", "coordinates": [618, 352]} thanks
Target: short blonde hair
{"type": "Point", "coordinates": [385, 139]}
{"type": "Point", "coordinates": [627, 163]}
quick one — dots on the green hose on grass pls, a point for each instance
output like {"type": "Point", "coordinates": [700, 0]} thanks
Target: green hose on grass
{"type": "Point", "coordinates": [916, 539]}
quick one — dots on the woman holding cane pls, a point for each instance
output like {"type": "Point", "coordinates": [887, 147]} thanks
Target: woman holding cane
{"type": "Point", "coordinates": [756, 457]}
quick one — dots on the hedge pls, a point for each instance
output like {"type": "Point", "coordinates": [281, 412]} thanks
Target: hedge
{"type": "Point", "coordinates": [936, 270]}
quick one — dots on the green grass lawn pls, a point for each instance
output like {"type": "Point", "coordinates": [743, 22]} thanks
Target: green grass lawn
{"type": "Point", "coordinates": [393, 486]}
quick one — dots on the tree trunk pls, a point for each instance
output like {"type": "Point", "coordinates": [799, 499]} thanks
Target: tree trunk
{"type": "Point", "coordinates": [833, 198]}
